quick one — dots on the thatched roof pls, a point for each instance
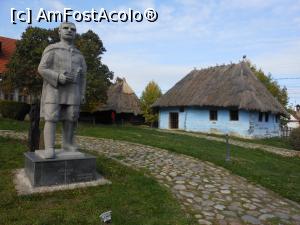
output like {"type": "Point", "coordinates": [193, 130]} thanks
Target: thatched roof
{"type": "Point", "coordinates": [232, 85]}
{"type": "Point", "coordinates": [121, 98]}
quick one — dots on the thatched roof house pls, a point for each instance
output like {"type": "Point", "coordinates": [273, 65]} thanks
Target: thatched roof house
{"type": "Point", "coordinates": [122, 101]}
{"type": "Point", "coordinates": [232, 85]}
{"type": "Point", "coordinates": [228, 90]}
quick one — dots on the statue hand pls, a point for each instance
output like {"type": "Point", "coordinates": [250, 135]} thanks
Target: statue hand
{"type": "Point", "coordinates": [69, 78]}
{"type": "Point", "coordinates": [62, 79]}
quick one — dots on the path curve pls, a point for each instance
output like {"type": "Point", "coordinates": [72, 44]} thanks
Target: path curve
{"type": "Point", "coordinates": [211, 193]}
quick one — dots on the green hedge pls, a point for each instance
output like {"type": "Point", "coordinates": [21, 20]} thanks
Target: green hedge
{"type": "Point", "coordinates": [14, 110]}
{"type": "Point", "coordinates": [295, 138]}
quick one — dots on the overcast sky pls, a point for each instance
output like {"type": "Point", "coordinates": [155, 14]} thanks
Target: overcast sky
{"type": "Point", "coordinates": [187, 34]}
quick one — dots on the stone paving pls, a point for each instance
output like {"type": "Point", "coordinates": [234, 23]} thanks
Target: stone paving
{"type": "Point", "coordinates": [211, 193]}
{"type": "Point", "coordinates": [279, 151]}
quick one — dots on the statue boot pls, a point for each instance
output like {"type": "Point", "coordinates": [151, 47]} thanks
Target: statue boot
{"type": "Point", "coordinates": [49, 153]}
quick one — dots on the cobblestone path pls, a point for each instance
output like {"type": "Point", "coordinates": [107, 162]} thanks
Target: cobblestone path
{"type": "Point", "coordinates": [279, 151]}
{"type": "Point", "coordinates": [211, 193]}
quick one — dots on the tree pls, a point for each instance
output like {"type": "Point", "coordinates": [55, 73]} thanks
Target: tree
{"type": "Point", "coordinates": [274, 88]}
{"type": "Point", "coordinates": [22, 69]}
{"type": "Point", "coordinates": [151, 93]}
{"type": "Point", "coordinates": [98, 74]}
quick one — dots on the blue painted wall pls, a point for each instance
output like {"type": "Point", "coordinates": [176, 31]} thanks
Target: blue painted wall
{"type": "Point", "coordinates": [259, 129]}
{"type": "Point", "coordinates": [197, 120]}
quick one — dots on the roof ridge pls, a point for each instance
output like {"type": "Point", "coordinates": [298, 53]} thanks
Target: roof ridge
{"type": "Point", "coordinates": [215, 67]}
{"type": "Point", "coordinates": [8, 38]}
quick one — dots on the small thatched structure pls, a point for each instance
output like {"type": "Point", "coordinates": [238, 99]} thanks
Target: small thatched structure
{"type": "Point", "coordinates": [232, 85]}
{"type": "Point", "coordinates": [221, 99]}
{"type": "Point", "coordinates": [122, 101]}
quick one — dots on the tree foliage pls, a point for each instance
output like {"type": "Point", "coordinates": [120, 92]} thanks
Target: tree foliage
{"type": "Point", "coordinates": [98, 74]}
{"type": "Point", "coordinates": [151, 93]}
{"type": "Point", "coordinates": [22, 69]}
{"type": "Point", "coordinates": [274, 88]}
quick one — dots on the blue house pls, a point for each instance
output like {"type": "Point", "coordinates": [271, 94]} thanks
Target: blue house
{"type": "Point", "coordinates": [227, 99]}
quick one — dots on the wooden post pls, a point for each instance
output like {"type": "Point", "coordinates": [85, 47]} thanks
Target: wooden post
{"type": "Point", "coordinates": [34, 130]}
{"type": "Point", "coordinates": [227, 148]}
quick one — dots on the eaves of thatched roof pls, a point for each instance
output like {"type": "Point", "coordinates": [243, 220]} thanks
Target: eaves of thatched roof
{"type": "Point", "coordinates": [233, 85]}
{"type": "Point", "coordinates": [121, 99]}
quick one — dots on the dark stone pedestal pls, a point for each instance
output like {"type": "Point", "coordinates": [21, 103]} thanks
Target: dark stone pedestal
{"type": "Point", "coordinates": [64, 169]}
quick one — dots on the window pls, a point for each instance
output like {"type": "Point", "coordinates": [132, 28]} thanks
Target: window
{"type": "Point", "coordinates": [266, 117]}
{"type": "Point", "coordinates": [234, 115]}
{"type": "Point", "coordinates": [260, 117]}
{"type": "Point", "coordinates": [213, 115]}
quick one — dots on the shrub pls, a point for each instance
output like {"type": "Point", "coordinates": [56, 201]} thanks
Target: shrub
{"type": "Point", "coordinates": [295, 138]}
{"type": "Point", "coordinates": [14, 110]}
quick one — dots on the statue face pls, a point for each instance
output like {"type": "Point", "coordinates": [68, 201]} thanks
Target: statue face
{"type": "Point", "coordinates": [67, 31]}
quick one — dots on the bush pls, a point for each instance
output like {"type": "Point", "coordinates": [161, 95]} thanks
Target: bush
{"type": "Point", "coordinates": [295, 138]}
{"type": "Point", "coordinates": [14, 110]}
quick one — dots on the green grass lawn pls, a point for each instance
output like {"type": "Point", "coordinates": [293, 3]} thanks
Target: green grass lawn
{"type": "Point", "coordinates": [282, 175]}
{"type": "Point", "coordinates": [273, 141]}
{"type": "Point", "coordinates": [134, 199]}
{"type": "Point", "coordinates": [8, 124]}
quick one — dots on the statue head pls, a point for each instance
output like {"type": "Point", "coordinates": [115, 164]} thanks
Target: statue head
{"type": "Point", "coordinates": [67, 31]}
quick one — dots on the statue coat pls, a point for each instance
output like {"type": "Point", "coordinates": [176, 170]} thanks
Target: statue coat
{"type": "Point", "coordinates": [56, 59]}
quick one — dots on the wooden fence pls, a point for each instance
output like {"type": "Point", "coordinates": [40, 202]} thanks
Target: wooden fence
{"type": "Point", "coordinates": [285, 132]}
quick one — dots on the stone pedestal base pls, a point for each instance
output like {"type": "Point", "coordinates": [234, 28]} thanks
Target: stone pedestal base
{"type": "Point", "coordinates": [66, 168]}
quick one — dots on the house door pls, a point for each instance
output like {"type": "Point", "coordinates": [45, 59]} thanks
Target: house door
{"type": "Point", "coordinates": [173, 120]}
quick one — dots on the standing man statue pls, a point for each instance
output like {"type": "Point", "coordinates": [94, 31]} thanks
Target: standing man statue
{"type": "Point", "coordinates": [63, 69]}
